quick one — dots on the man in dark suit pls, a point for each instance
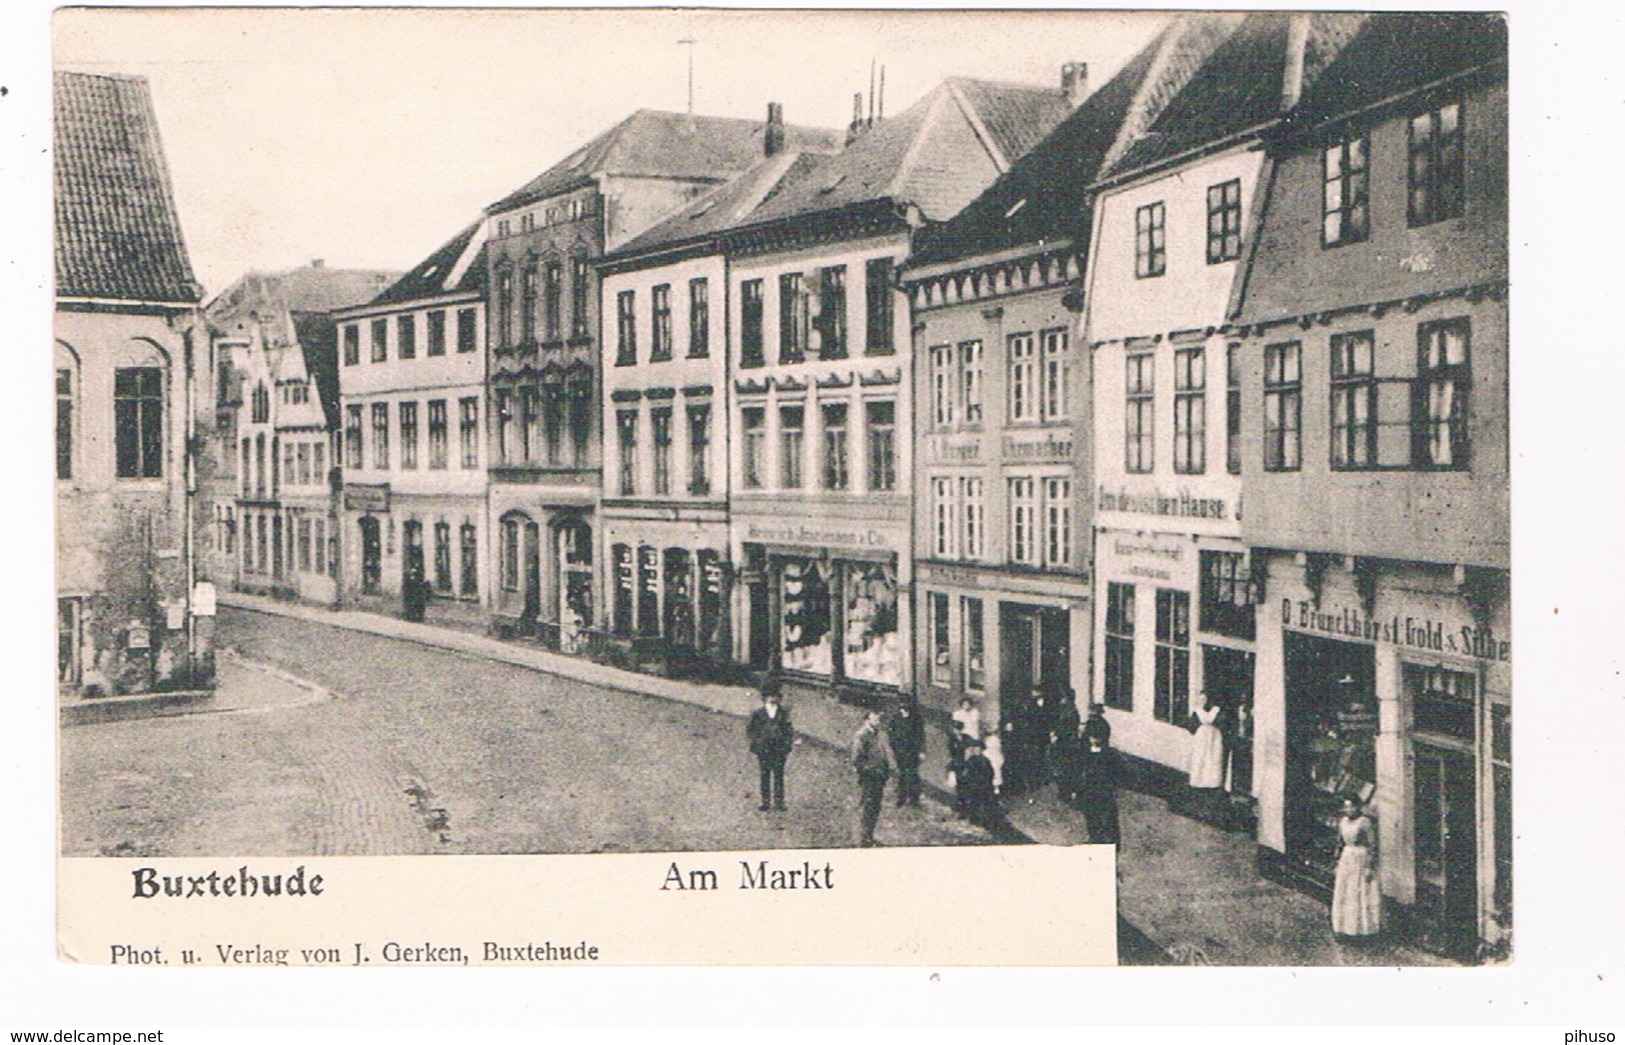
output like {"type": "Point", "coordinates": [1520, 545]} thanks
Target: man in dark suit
{"type": "Point", "coordinates": [906, 730]}
{"type": "Point", "coordinates": [770, 735]}
{"type": "Point", "coordinates": [873, 759]}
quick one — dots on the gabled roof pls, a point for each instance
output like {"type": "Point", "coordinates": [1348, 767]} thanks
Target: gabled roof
{"type": "Point", "coordinates": [456, 265]}
{"type": "Point", "coordinates": [655, 144]}
{"type": "Point", "coordinates": [1393, 53]}
{"type": "Point", "coordinates": [318, 340]}
{"type": "Point", "coordinates": [311, 288]}
{"type": "Point", "coordinates": [889, 161]}
{"type": "Point", "coordinates": [1043, 197]}
{"type": "Point", "coordinates": [719, 209]}
{"type": "Point", "coordinates": [118, 235]}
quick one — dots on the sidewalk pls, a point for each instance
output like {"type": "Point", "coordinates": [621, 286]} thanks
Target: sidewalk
{"type": "Point", "coordinates": [1188, 892]}
{"type": "Point", "coordinates": [240, 686]}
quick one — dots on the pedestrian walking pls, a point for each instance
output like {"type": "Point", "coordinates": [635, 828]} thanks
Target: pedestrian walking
{"type": "Point", "coordinates": [1097, 793]}
{"type": "Point", "coordinates": [771, 736]}
{"type": "Point", "coordinates": [874, 761]}
{"type": "Point", "coordinates": [975, 796]}
{"type": "Point", "coordinates": [1066, 748]}
{"type": "Point", "coordinates": [906, 731]}
{"type": "Point", "coordinates": [1356, 897]}
{"type": "Point", "coordinates": [1207, 749]}
{"type": "Point", "coordinates": [967, 720]}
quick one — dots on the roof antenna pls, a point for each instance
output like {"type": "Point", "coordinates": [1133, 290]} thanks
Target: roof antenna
{"type": "Point", "coordinates": [689, 41]}
{"type": "Point", "coordinates": [882, 113]}
{"type": "Point", "coordinates": [871, 120]}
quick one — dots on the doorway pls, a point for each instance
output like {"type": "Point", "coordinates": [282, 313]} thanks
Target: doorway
{"type": "Point", "coordinates": [1227, 679]}
{"type": "Point", "coordinates": [532, 548]}
{"type": "Point", "coordinates": [372, 554]}
{"type": "Point", "coordinates": [1446, 846]}
{"type": "Point", "coordinates": [1331, 728]}
{"type": "Point", "coordinates": [1035, 675]}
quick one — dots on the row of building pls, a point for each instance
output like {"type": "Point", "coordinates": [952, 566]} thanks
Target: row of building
{"type": "Point", "coordinates": [1190, 387]}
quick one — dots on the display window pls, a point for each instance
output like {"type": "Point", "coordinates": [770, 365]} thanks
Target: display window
{"type": "Point", "coordinates": [805, 642]}
{"type": "Point", "coordinates": [873, 650]}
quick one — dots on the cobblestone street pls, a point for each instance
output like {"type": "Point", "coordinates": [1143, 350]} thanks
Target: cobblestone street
{"type": "Point", "coordinates": [419, 750]}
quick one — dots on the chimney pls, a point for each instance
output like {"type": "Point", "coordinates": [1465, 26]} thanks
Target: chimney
{"type": "Point", "coordinates": [773, 133]}
{"type": "Point", "coordinates": [317, 263]}
{"type": "Point", "coordinates": [1297, 43]}
{"type": "Point", "coordinates": [856, 127]}
{"type": "Point", "coordinates": [1075, 83]}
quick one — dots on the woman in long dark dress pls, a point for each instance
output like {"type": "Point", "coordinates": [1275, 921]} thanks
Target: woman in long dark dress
{"type": "Point", "coordinates": [1097, 793]}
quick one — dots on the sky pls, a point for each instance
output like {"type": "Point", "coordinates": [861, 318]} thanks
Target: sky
{"type": "Point", "coordinates": [368, 137]}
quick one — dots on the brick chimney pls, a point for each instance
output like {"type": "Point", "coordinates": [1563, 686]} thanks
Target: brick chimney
{"type": "Point", "coordinates": [1075, 83]}
{"type": "Point", "coordinates": [1297, 44]}
{"type": "Point", "coordinates": [858, 125]}
{"type": "Point", "coordinates": [773, 133]}
{"type": "Point", "coordinates": [317, 263]}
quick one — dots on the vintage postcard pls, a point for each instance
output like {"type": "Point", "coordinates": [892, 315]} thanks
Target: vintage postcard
{"type": "Point", "coordinates": [544, 487]}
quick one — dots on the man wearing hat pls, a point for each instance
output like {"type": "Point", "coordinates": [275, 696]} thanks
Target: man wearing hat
{"type": "Point", "coordinates": [906, 730]}
{"type": "Point", "coordinates": [770, 735]}
{"type": "Point", "coordinates": [872, 757]}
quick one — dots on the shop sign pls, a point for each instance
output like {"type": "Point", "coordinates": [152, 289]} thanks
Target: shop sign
{"type": "Point", "coordinates": [1049, 447]}
{"type": "Point", "coordinates": [800, 533]}
{"type": "Point", "coordinates": [958, 448]}
{"type": "Point", "coordinates": [1148, 557]}
{"type": "Point", "coordinates": [203, 599]}
{"type": "Point", "coordinates": [1357, 720]}
{"type": "Point", "coordinates": [1180, 503]}
{"type": "Point", "coordinates": [140, 638]}
{"type": "Point", "coordinates": [366, 497]}
{"type": "Point", "coordinates": [1421, 633]}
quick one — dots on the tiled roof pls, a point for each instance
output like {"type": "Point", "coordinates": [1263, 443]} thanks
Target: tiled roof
{"type": "Point", "coordinates": [717, 210]}
{"type": "Point", "coordinates": [117, 232]}
{"type": "Point", "coordinates": [1392, 53]}
{"type": "Point", "coordinates": [1017, 116]}
{"type": "Point", "coordinates": [312, 288]}
{"type": "Point", "coordinates": [652, 143]}
{"type": "Point", "coordinates": [434, 274]}
{"type": "Point", "coordinates": [1044, 196]}
{"type": "Point", "coordinates": [318, 339]}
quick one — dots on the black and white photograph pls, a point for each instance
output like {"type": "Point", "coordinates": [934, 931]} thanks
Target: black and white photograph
{"type": "Point", "coordinates": [991, 429]}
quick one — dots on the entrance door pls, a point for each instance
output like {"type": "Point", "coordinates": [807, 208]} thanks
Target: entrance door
{"type": "Point", "coordinates": [1331, 725]}
{"type": "Point", "coordinates": [1227, 678]}
{"type": "Point", "coordinates": [1446, 845]}
{"type": "Point", "coordinates": [67, 641]}
{"type": "Point", "coordinates": [412, 587]}
{"type": "Point", "coordinates": [372, 554]}
{"type": "Point", "coordinates": [533, 572]}
{"type": "Point", "coordinates": [1035, 662]}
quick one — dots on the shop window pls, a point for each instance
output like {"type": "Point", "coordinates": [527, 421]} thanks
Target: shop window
{"type": "Point", "coordinates": [138, 422]}
{"type": "Point", "coordinates": [64, 424]}
{"type": "Point", "coordinates": [836, 475]}
{"type": "Point", "coordinates": [660, 323]}
{"type": "Point", "coordinates": [1190, 411]}
{"type": "Point", "coordinates": [1283, 407]}
{"type": "Point", "coordinates": [442, 557]}
{"type": "Point", "coordinates": [805, 639]}
{"type": "Point", "coordinates": [678, 623]}
{"type": "Point", "coordinates": [1444, 377]}
{"type": "Point", "coordinates": [793, 306]}
{"type": "Point", "coordinates": [713, 598]}
{"type": "Point", "coordinates": [877, 276]}
{"type": "Point", "coordinates": [469, 561]}
{"type": "Point", "coordinates": [1501, 773]}
{"type": "Point", "coordinates": [648, 590]}
{"type": "Point", "coordinates": [1139, 412]}
{"type": "Point", "coordinates": [881, 418]}
{"type": "Point", "coordinates": [1224, 222]}
{"type": "Point", "coordinates": [1437, 174]}
{"type": "Point", "coordinates": [975, 650]}
{"type": "Point", "coordinates": [791, 445]}
{"type": "Point", "coordinates": [1228, 595]}
{"type": "Point", "coordinates": [1171, 699]}
{"type": "Point", "coordinates": [872, 651]}
{"type": "Point", "coordinates": [1345, 197]}
{"type": "Point", "coordinates": [510, 555]}
{"type": "Point", "coordinates": [409, 435]}
{"type": "Point", "coordinates": [754, 423]}
{"type": "Point", "coordinates": [941, 667]}
{"type": "Point", "coordinates": [660, 428]}
{"type": "Point", "coordinates": [970, 379]}
{"type": "Point", "coordinates": [1150, 242]}
{"type": "Point", "coordinates": [699, 319]}
{"type": "Point", "coordinates": [1119, 680]}
{"type": "Point", "coordinates": [750, 324]}
{"type": "Point", "coordinates": [1443, 702]}
{"type": "Point", "coordinates": [832, 312]}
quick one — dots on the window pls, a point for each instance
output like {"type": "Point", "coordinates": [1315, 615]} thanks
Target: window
{"type": "Point", "coordinates": [1023, 520]}
{"type": "Point", "coordinates": [469, 430]}
{"type": "Point", "coordinates": [138, 421]}
{"type": "Point", "coordinates": [260, 405]}
{"type": "Point", "coordinates": [943, 380]}
{"type": "Point", "coordinates": [580, 298]}
{"type": "Point", "coordinates": [1345, 197]}
{"type": "Point", "coordinates": [1023, 378]}
{"type": "Point", "coordinates": [1232, 408]}
{"type": "Point", "coordinates": [1150, 244]}
{"type": "Point", "coordinates": [832, 312]}
{"type": "Point", "coordinates": [881, 418]}
{"type": "Point", "coordinates": [380, 435]}
{"type": "Point", "coordinates": [941, 667]}
{"type": "Point", "coordinates": [442, 557]}
{"type": "Point", "coordinates": [504, 407]}
{"type": "Point", "coordinates": [553, 407]}
{"type": "Point", "coordinates": [750, 323]}
{"type": "Point", "coordinates": [1057, 522]}
{"type": "Point", "coordinates": [468, 548]}
{"type": "Point", "coordinates": [626, 328]}
{"type": "Point", "coordinates": [877, 284]}
{"type": "Point", "coordinates": [660, 425]}
{"type": "Point", "coordinates": [699, 319]}
{"type": "Point", "coordinates": [409, 435]}
{"type": "Point", "coordinates": [1224, 222]}
{"type": "Point", "coordinates": [626, 426]}
{"type": "Point", "coordinates": [970, 375]}
{"type": "Point", "coordinates": [836, 476]}
{"type": "Point", "coordinates": [1439, 428]}
{"type": "Point", "coordinates": [578, 393]}
{"type": "Point", "coordinates": [942, 517]}
{"type": "Point", "coordinates": [352, 439]}
{"type": "Point", "coordinates": [754, 423]}
{"type": "Point", "coordinates": [302, 543]}
{"type": "Point", "coordinates": [792, 318]}
{"type": "Point", "coordinates": [1139, 412]}
{"type": "Point", "coordinates": [973, 537]}
{"type": "Point", "coordinates": [1436, 169]}
{"type": "Point", "coordinates": [699, 448]}
{"type": "Point", "coordinates": [510, 555]}
{"type": "Point", "coordinates": [1119, 673]}
{"type": "Point", "coordinates": [505, 307]}
{"type": "Point", "coordinates": [1354, 400]}
{"type": "Point", "coordinates": [352, 346]}
{"type": "Point", "coordinates": [1171, 700]}
{"type": "Point", "coordinates": [64, 424]}
{"type": "Point", "coordinates": [527, 304]}
{"type": "Point", "coordinates": [1228, 595]}
{"type": "Point", "coordinates": [319, 551]}
{"type": "Point", "coordinates": [244, 476]}
{"type": "Point", "coordinates": [288, 475]}
{"type": "Point", "coordinates": [791, 430]}
{"type": "Point", "coordinates": [1283, 407]}
{"type": "Point", "coordinates": [303, 457]}
{"type": "Point", "coordinates": [465, 330]}
{"type": "Point", "coordinates": [406, 336]}
{"type": "Point", "coordinates": [529, 422]}
{"type": "Point", "coordinates": [437, 434]}
{"type": "Point", "coordinates": [552, 300]}
{"type": "Point", "coordinates": [259, 465]}
{"type": "Point", "coordinates": [660, 325]}
{"type": "Point", "coordinates": [380, 340]}
{"type": "Point", "coordinates": [1190, 411]}
{"type": "Point", "coordinates": [318, 463]}
{"type": "Point", "coordinates": [437, 333]}
{"type": "Point", "coordinates": [1055, 376]}
{"type": "Point", "coordinates": [975, 664]}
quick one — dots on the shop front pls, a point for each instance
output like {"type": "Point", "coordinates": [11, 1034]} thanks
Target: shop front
{"type": "Point", "coordinates": [671, 582]}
